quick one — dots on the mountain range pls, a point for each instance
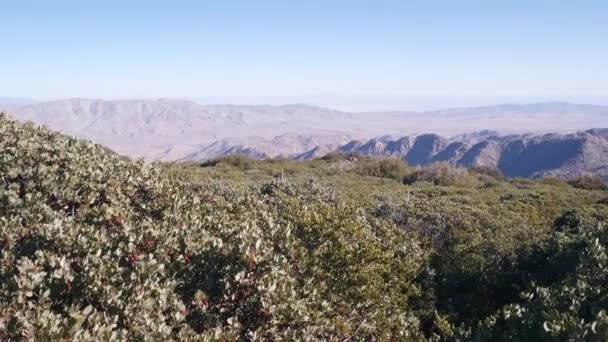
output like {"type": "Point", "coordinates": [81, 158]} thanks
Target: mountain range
{"type": "Point", "coordinates": [516, 155]}
{"type": "Point", "coordinates": [512, 137]}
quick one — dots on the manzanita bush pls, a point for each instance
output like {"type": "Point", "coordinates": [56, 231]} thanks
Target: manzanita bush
{"type": "Point", "coordinates": [97, 247]}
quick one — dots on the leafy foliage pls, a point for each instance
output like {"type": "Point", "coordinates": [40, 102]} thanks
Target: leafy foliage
{"type": "Point", "coordinates": [442, 173]}
{"type": "Point", "coordinates": [94, 246]}
{"type": "Point", "coordinates": [239, 161]}
{"type": "Point", "coordinates": [488, 171]}
{"type": "Point", "coordinates": [589, 182]}
{"type": "Point", "coordinates": [391, 168]}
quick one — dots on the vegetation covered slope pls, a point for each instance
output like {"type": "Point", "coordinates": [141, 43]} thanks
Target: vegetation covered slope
{"type": "Point", "coordinates": [94, 246]}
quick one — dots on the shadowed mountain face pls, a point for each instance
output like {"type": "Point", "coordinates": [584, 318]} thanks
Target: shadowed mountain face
{"type": "Point", "coordinates": [453, 151]}
{"type": "Point", "coordinates": [526, 158]}
{"type": "Point", "coordinates": [484, 153]}
{"type": "Point", "coordinates": [599, 132]}
{"type": "Point", "coordinates": [424, 148]}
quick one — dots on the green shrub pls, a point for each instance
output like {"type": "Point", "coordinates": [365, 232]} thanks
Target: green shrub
{"type": "Point", "coordinates": [521, 183]}
{"type": "Point", "coordinates": [391, 168]}
{"type": "Point", "coordinates": [238, 161]}
{"type": "Point", "coordinates": [338, 156]}
{"type": "Point", "coordinates": [490, 171]}
{"type": "Point", "coordinates": [334, 156]}
{"type": "Point", "coordinates": [554, 181]}
{"type": "Point", "coordinates": [566, 296]}
{"type": "Point", "coordinates": [96, 247]}
{"type": "Point", "coordinates": [588, 182]}
{"type": "Point", "coordinates": [442, 173]}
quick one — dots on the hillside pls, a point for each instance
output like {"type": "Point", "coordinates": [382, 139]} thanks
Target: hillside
{"type": "Point", "coordinates": [95, 246]}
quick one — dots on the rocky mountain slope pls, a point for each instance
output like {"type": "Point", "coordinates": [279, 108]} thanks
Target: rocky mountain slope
{"type": "Point", "coordinates": [294, 146]}
{"type": "Point", "coordinates": [525, 155]}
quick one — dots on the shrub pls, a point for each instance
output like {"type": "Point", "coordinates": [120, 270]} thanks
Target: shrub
{"type": "Point", "coordinates": [443, 174]}
{"type": "Point", "coordinates": [337, 156]}
{"type": "Point", "coordinates": [95, 247]}
{"type": "Point", "coordinates": [521, 183]}
{"type": "Point", "coordinates": [238, 161]}
{"type": "Point", "coordinates": [554, 181]}
{"type": "Point", "coordinates": [334, 156]}
{"type": "Point", "coordinates": [566, 296]}
{"type": "Point", "coordinates": [391, 168]}
{"type": "Point", "coordinates": [488, 182]}
{"type": "Point", "coordinates": [354, 156]}
{"type": "Point", "coordinates": [588, 182]}
{"type": "Point", "coordinates": [488, 171]}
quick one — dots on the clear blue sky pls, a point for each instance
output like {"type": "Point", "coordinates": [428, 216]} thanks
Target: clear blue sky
{"type": "Point", "coordinates": [289, 47]}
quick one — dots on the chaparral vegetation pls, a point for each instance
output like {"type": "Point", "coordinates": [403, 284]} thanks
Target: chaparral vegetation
{"type": "Point", "coordinates": [343, 248]}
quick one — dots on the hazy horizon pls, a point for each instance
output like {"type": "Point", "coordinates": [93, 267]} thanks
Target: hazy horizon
{"type": "Point", "coordinates": [362, 103]}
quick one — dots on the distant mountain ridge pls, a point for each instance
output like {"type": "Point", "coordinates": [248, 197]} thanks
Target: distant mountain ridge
{"type": "Point", "coordinates": [171, 129]}
{"type": "Point", "coordinates": [526, 155]}
{"type": "Point", "coordinates": [150, 128]}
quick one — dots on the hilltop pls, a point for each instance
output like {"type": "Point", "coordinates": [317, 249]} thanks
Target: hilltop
{"type": "Point", "coordinates": [345, 247]}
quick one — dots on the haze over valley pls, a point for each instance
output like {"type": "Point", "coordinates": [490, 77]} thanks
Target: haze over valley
{"type": "Point", "coordinates": [181, 130]}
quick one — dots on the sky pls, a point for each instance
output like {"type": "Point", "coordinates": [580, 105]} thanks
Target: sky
{"type": "Point", "coordinates": [292, 49]}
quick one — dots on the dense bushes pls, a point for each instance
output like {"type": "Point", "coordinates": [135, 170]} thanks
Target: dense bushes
{"type": "Point", "coordinates": [96, 247]}
{"type": "Point", "coordinates": [391, 168]}
{"type": "Point", "coordinates": [337, 156]}
{"type": "Point", "coordinates": [554, 181]}
{"type": "Point", "coordinates": [488, 171]}
{"type": "Point", "coordinates": [441, 173]}
{"type": "Point", "coordinates": [334, 156]}
{"type": "Point", "coordinates": [238, 161]}
{"type": "Point", "coordinates": [567, 295]}
{"type": "Point", "coordinates": [588, 182]}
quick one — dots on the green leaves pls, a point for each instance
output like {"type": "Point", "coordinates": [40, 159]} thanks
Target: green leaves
{"type": "Point", "coordinates": [93, 246]}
